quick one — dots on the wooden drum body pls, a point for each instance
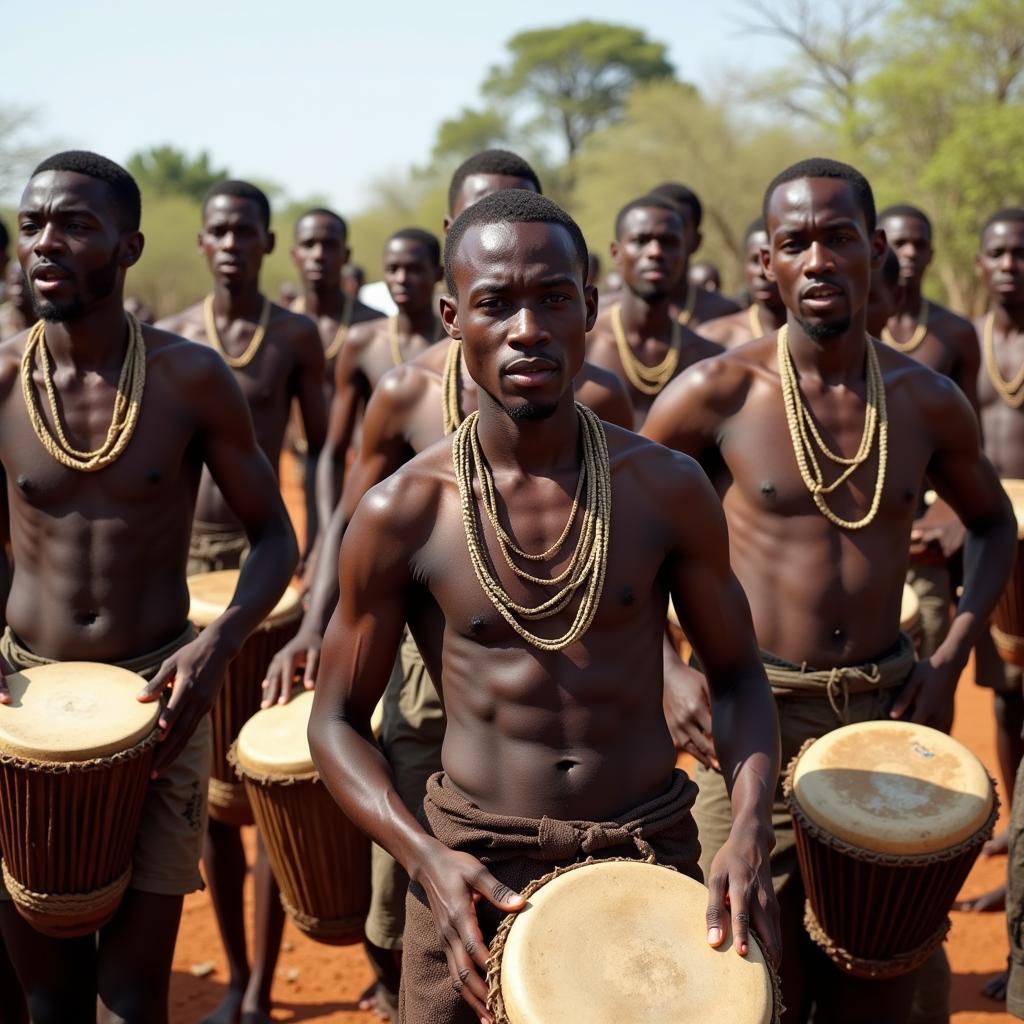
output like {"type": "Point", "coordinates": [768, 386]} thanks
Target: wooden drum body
{"type": "Point", "coordinates": [210, 594]}
{"type": "Point", "coordinates": [76, 749]}
{"type": "Point", "coordinates": [609, 941]}
{"type": "Point", "coordinates": [320, 859]}
{"type": "Point", "coordinates": [1008, 614]}
{"type": "Point", "coordinates": [889, 818]}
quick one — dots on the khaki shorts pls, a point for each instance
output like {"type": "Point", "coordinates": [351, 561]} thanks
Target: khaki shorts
{"type": "Point", "coordinates": [411, 736]}
{"type": "Point", "coordinates": [169, 843]}
{"type": "Point", "coordinates": [991, 672]}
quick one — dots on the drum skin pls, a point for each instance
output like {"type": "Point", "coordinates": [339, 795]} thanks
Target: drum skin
{"type": "Point", "coordinates": [76, 750]}
{"type": "Point", "coordinates": [320, 859]}
{"type": "Point", "coordinates": [889, 819]}
{"type": "Point", "coordinates": [609, 941]}
{"type": "Point", "coordinates": [1008, 614]}
{"type": "Point", "coordinates": [240, 696]}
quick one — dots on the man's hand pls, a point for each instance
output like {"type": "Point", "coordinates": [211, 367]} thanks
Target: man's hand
{"type": "Point", "coordinates": [300, 654]}
{"type": "Point", "coordinates": [688, 712]}
{"type": "Point", "coordinates": [454, 883]}
{"type": "Point", "coordinates": [740, 886]}
{"type": "Point", "coordinates": [195, 674]}
{"type": "Point", "coordinates": [938, 529]}
{"type": "Point", "coordinates": [930, 691]}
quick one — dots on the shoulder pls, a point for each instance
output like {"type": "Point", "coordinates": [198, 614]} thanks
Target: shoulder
{"type": "Point", "coordinates": [186, 322]}
{"type": "Point", "coordinates": [720, 328]}
{"type": "Point", "coordinates": [933, 394]}
{"type": "Point", "coordinates": [433, 357]}
{"type": "Point", "coordinates": [362, 313]}
{"type": "Point", "coordinates": [712, 305]}
{"type": "Point", "coordinates": [602, 328]}
{"type": "Point", "coordinates": [657, 471]}
{"type": "Point", "coordinates": [194, 370]}
{"type": "Point", "coordinates": [297, 329]}
{"type": "Point", "coordinates": [726, 375]}
{"type": "Point", "coordinates": [697, 347]}
{"type": "Point", "coordinates": [403, 387]}
{"type": "Point", "coordinates": [956, 328]}
{"type": "Point", "coordinates": [603, 391]}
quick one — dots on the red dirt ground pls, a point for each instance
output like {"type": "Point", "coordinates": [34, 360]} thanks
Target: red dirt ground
{"type": "Point", "coordinates": [323, 983]}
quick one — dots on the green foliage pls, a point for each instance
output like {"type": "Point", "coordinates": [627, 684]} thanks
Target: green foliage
{"type": "Point", "coordinates": [578, 76]}
{"type": "Point", "coordinates": [468, 133]}
{"type": "Point", "coordinates": [169, 171]}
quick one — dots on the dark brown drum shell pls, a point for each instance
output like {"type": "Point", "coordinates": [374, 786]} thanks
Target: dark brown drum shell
{"type": "Point", "coordinates": [1008, 615]}
{"type": "Point", "coordinates": [320, 859]}
{"type": "Point", "coordinates": [67, 830]}
{"type": "Point", "coordinates": [238, 701]}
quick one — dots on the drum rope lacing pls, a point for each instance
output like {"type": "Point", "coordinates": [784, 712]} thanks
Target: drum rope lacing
{"type": "Point", "coordinates": [236, 362]}
{"type": "Point", "coordinates": [127, 402]}
{"type": "Point", "coordinates": [649, 380]}
{"type": "Point", "coordinates": [589, 561]}
{"type": "Point", "coordinates": [69, 904]}
{"type": "Point", "coordinates": [914, 341]}
{"type": "Point", "coordinates": [1010, 391]}
{"type": "Point", "coordinates": [805, 437]}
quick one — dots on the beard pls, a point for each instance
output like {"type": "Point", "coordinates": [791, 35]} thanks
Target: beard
{"type": "Point", "coordinates": [825, 331]}
{"type": "Point", "coordinates": [98, 284]}
{"type": "Point", "coordinates": [530, 412]}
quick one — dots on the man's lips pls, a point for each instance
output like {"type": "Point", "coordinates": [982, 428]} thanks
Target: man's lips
{"type": "Point", "coordinates": [49, 272]}
{"type": "Point", "coordinates": [530, 372]}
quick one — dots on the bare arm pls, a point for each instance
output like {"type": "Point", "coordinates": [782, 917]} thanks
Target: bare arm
{"type": "Point", "coordinates": [309, 392]}
{"type": "Point", "coordinates": [601, 390]}
{"type": "Point", "coordinates": [968, 364]}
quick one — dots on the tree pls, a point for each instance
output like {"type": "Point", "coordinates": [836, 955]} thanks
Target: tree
{"type": "Point", "coordinates": [17, 155]}
{"type": "Point", "coordinates": [168, 171]}
{"type": "Point", "coordinates": [469, 132]}
{"type": "Point", "coordinates": [578, 76]}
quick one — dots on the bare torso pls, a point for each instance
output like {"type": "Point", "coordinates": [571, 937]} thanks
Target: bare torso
{"type": "Point", "coordinates": [949, 347]}
{"type": "Point", "coordinates": [1002, 425]}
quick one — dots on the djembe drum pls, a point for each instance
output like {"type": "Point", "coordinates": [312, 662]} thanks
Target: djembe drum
{"type": "Point", "coordinates": [1008, 614]}
{"type": "Point", "coordinates": [609, 941]}
{"type": "Point", "coordinates": [889, 818]}
{"type": "Point", "coordinates": [210, 594]}
{"type": "Point", "coordinates": [76, 749]}
{"type": "Point", "coordinates": [320, 859]}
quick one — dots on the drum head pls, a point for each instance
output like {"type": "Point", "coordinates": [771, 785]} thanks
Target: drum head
{"type": "Point", "coordinates": [893, 787]}
{"type": "Point", "coordinates": [618, 941]}
{"type": "Point", "coordinates": [273, 741]}
{"type": "Point", "coordinates": [910, 610]}
{"type": "Point", "coordinates": [74, 711]}
{"type": "Point", "coordinates": [211, 592]}
{"type": "Point", "coordinates": [1015, 491]}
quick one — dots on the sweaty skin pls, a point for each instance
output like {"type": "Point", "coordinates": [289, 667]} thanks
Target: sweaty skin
{"type": "Point", "coordinates": [650, 253]}
{"type": "Point", "coordinates": [738, 328]}
{"type": "Point", "coordinates": [531, 732]}
{"type": "Point", "coordinates": [289, 364]}
{"type": "Point", "coordinates": [818, 592]}
{"type": "Point", "coordinates": [402, 419]}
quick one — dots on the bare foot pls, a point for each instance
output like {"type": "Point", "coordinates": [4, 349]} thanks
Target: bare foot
{"type": "Point", "coordinates": [995, 987]}
{"type": "Point", "coordinates": [991, 902]}
{"type": "Point", "coordinates": [998, 845]}
{"type": "Point", "coordinates": [227, 1012]}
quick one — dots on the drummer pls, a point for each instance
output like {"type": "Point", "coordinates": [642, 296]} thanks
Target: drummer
{"type": "Point", "coordinates": [824, 604]}
{"type": "Point", "coordinates": [538, 770]}
{"type": "Point", "coordinates": [103, 550]}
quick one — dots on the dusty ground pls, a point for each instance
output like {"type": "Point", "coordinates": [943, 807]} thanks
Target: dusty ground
{"type": "Point", "coordinates": [323, 983]}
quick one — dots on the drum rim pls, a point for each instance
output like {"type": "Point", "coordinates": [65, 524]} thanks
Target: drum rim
{"type": "Point", "coordinates": [87, 764]}
{"type": "Point", "coordinates": [264, 777]}
{"type": "Point", "coordinates": [861, 853]}
{"type": "Point", "coordinates": [1016, 485]}
{"type": "Point", "coordinates": [495, 999]}
{"type": "Point", "coordinates": [212, 610]}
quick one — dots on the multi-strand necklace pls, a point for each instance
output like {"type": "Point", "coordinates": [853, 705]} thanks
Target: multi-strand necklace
{"type": "Point", "coordinates": [649, 380]}
{"type": "Point", "coordinates": [920, 331]}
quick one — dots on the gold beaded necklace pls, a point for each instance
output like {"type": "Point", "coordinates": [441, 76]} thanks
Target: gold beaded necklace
{"type": "Point", "coordinates": [237, 362]}
{"type": "Point", "coordinates": [648, 380]}
{"type": "Point", "coordinates": [1010, 391]}
{"type": "Point", "coordinates": [127, 402]}
{"type": "Point", "coordinates": [341, 334]}
{"type": "Point", "coordinates": [589, 561]}
{"type": "Point", "coordinates": [451, 414]}
{"type": "Point", "coordinates": [686, 315]}
{"type": "Point", "coordinates": [920, 331]}
{"type": "Point", "coordinates": [805, 437]}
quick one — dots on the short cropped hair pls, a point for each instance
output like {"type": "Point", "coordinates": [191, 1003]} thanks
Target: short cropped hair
{"type": "Point", "coordinates": [650, 202]}
{"type": "Point", "coordinates": [906, 210]}
{"type": "Point", "coordinates": [755, 226]}
{"type": "Point", "coordinates": [1007, 215]}
{"type": "Point", "coordinates": [240, 190]}
{"type": "Point", "coordinates": [420, 237]}
{"type": "Point", "coordinates": [679, 194]}
{"type": "Point", "coordinates": [512, 206]}
{"type": "Point", "coordinates": [821, 167]}
{"type": "Point", "coordinates": [891, 268]}
{"type": "Point", "coordinates": [491, 161]}
{"type": "Point", "coordinates": [322, 211]}
{"type": "Point", "coordinates": [119, 182]}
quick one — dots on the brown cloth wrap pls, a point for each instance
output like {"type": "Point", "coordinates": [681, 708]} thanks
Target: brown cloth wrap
{"type": "Point", "coordinates": [518, 851]}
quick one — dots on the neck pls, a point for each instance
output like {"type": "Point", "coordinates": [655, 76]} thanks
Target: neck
{"type": "Point", "coordinates": [911, 301]}
{"type": "Point", "coordinates": [772, 315]}
{"type": "Point", "coordinates": [647, 317]}
{"type": "Point", "coordinates": [421, 321]}
{"type": "Point", "coordinates": [1006, 318]}
{"type": "Point", "coordinates": [327, 300]}
{"type": "Point", "coordinates": [838, 360]}
{"type": "Point", "coordinates": [535, 448]}
{"type": "Point", "coordinates": [92, 341]}
{"type": "Point", "coordinates": [242, 303]}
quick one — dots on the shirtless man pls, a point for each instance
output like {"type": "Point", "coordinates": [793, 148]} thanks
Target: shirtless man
{"type": "Point", "coordinates": [275, 356]}
{"type": "Point", "coordinates": [824, 585]}
{"type": "Point", "coordinates": [766, 311]}
{"type": "Point", "coordinates": [484, 173]}
{"type": "Point", "coordinates": [639, 337]}
{"type": "Point", "coordinates": [412, 268]}
{"type": "Point", "coordinates": [104, 553]}
{"type": "Point", "coordinates": [353, 277]}
{"type": "Point", "coordinates": [16, 314]}
{"type": "Point", "coordinates": [696, 305]}
{"type": "Point", "coordinates": [515, 268]}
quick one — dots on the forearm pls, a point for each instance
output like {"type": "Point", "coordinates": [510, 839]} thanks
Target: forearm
{"type": "Point", "coordinates": [313, 520]}
{"type": "Point", "coordinates": [324, 593]}
{"type": "Point", "coordinates": [330, 475]}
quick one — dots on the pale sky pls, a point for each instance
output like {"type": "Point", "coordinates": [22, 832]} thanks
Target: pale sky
{"type": "Point", "coordinates": [319, 97]}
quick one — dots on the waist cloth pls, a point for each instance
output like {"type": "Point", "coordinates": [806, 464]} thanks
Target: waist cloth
{"type": "Point", "coordinates": [518, 851]}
